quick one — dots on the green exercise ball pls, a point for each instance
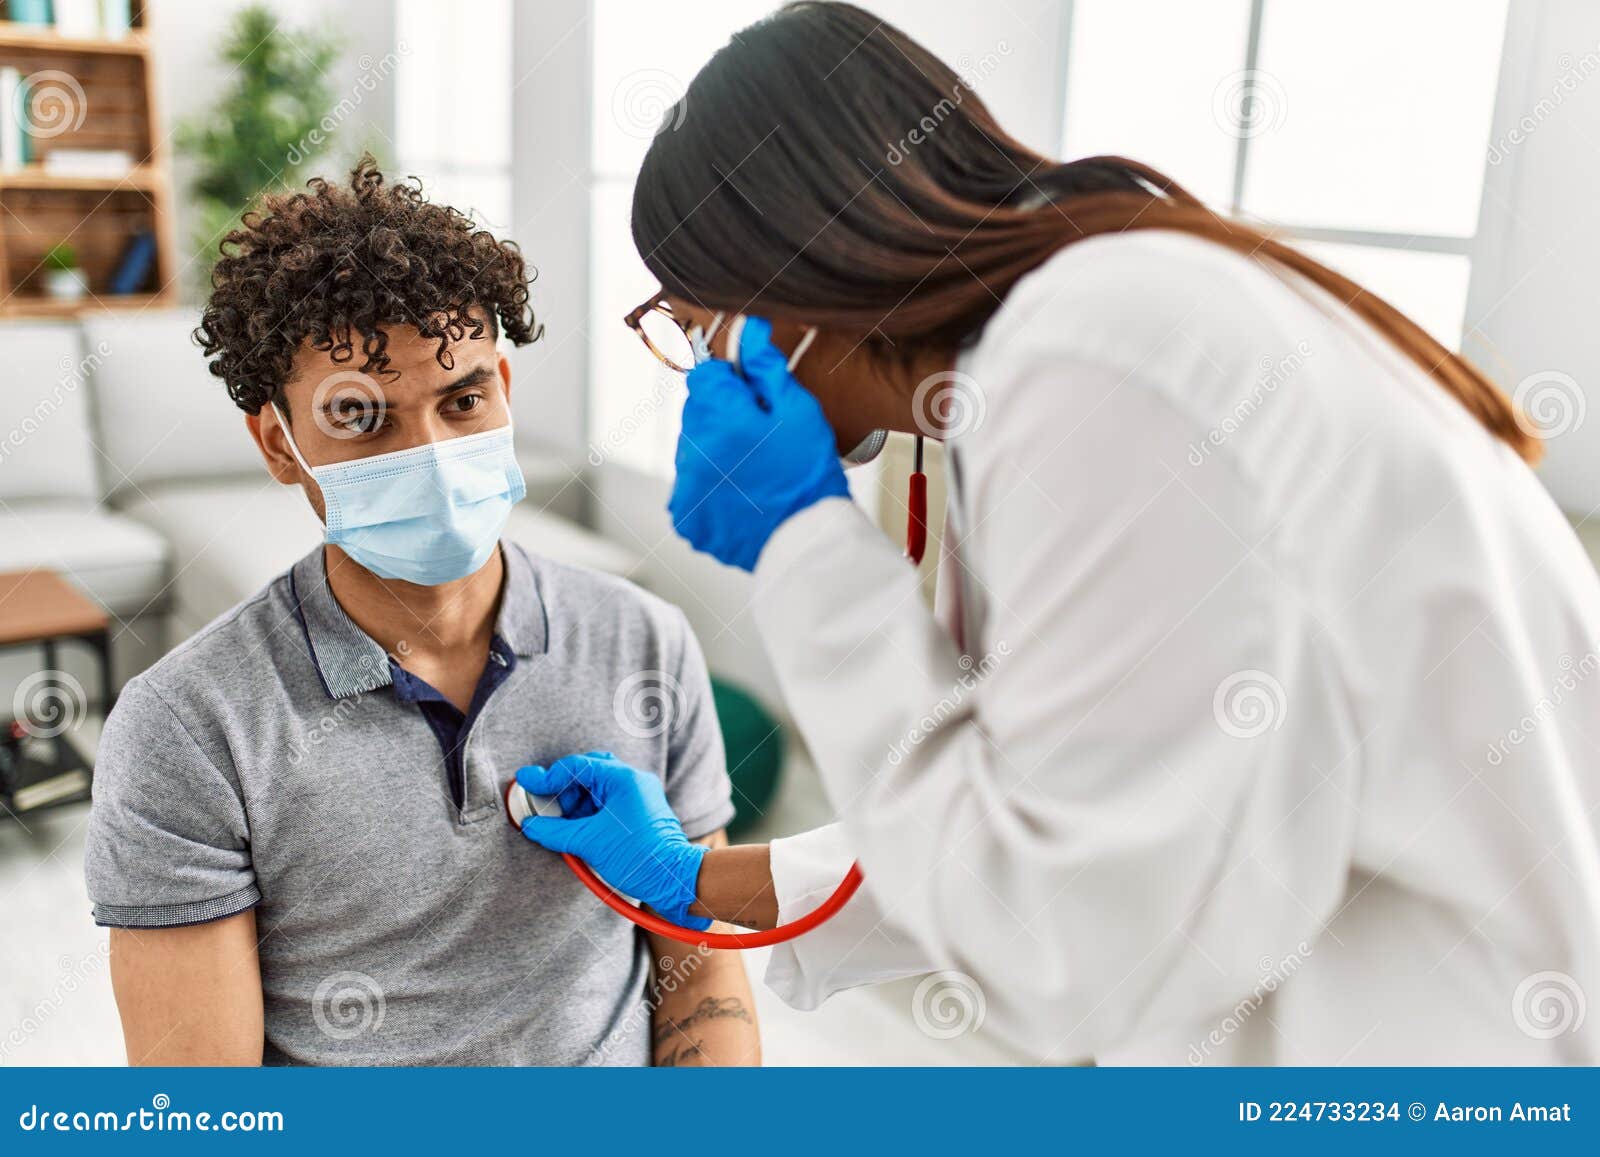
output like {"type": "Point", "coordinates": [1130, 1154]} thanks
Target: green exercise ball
{"type": "Point", "coordinates": [754, 743]}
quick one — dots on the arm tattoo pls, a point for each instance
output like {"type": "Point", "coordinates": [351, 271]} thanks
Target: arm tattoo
{"type": "Point", "coordinates": [692, 1051]}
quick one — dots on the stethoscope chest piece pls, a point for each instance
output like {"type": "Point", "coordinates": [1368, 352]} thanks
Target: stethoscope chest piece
{"type": "Point", "coordinates": [522, 804]}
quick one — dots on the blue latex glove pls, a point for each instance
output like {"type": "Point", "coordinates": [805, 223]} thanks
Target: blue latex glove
{"type": "Point", "coordinates": [752, 451]}
{"type": "Point", "coordinates": [617, 820]}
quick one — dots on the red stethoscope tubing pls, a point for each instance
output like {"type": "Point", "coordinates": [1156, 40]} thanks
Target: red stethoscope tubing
{"type": "Point", "coordinates": [650, 922]}
{"type": "Point", "coordinates": [916, 544]}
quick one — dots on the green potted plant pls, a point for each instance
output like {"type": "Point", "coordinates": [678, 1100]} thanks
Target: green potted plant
{"type": "Point", "coordinates": [63, 280]}
{"type": "Point", "coordinates": [267, 124]}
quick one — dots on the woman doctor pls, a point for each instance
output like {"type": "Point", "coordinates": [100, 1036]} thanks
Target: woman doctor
{"type": "Point", "coordinates": [1259, 717]}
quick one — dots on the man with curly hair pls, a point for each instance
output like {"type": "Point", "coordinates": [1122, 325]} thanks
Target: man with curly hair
{"type": "Point", "coordinates": [298, 835]}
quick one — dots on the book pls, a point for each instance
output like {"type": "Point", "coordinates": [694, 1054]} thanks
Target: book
{"type": "Point", "coordinates": [13, 138]}
{"type": "Point", "coordinates": [136, 264]}
{"type": "Point", "coordinates": [24, 118]}
{"type": "Point", "coordinates": [68, 785]}
{"type": "Point", "coordinates": [80, 18]}
{"type": "Point", "coordinates": [116, 18]}
{"type": "Point", "coordinates": [29, 11]}
{"type": "Point", "coordinates": [88, 162]}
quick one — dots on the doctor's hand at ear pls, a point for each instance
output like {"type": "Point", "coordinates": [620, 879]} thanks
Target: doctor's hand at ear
{"type": "Point", "coordinates": [754, 449]}
{"type": "Point", "coordinates": [617, 820]}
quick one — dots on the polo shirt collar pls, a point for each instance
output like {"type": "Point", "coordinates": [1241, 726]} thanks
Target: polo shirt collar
{"type": "Point", "coordinates": [524, 621]}
{"type": "Point", "coordinates": [350, 662]}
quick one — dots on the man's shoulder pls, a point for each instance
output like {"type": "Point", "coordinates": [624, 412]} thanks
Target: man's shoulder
{"type": "Point", "coordinates": [577, 595]}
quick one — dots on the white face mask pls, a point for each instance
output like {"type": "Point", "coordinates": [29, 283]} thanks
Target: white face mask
{"type": "Point", "coordinates": [863, 452]}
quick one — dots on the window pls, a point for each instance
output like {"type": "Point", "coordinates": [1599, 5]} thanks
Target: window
{"type": "Point", "coordinates": [1368, 149]}
{"type": "Point", "coordinates": [634, 401]}
{"type": "Point", "coordinates": [453, 106]}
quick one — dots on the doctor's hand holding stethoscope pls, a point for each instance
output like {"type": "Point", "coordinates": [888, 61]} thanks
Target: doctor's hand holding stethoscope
{"type": "Point", "coordinates": [1210, 749]}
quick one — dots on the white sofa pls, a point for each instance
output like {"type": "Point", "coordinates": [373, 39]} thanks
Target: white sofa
{"type": "Point", "coordinates": [124, 466]}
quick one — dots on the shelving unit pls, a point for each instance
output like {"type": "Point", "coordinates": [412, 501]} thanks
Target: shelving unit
{"type": "Point", "coordinates": [96, 215]}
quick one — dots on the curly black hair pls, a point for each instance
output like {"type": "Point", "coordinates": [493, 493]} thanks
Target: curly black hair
{"type": "Point", "coordinates": [335, 265]}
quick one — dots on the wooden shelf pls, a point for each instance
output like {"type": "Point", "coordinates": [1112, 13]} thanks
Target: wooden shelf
{"type": "Point", "coordinates": [41, 308]}
{"type": "Point", "coordinates": [35, 36]}
{"type": "Point", "coordinates": [144, 177]}
{"type": "Point", "coordinates": [111, 104]}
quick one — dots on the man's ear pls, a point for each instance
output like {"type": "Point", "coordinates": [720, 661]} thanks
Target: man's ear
{"type": "Point", "coordinates": [265, 428]}
{"type": "Point", "coordinates": [504, 369]}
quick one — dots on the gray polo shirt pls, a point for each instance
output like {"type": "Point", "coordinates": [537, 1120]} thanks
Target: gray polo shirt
{"type": "Point", "coordinates": [269, 762]}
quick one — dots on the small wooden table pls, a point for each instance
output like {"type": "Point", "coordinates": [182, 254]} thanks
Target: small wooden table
{"type": "Point", "coordinates": [40, 608]}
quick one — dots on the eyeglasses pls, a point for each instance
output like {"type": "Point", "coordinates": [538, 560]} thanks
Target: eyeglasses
{"type": "Point", "coordinates": [663, 334]}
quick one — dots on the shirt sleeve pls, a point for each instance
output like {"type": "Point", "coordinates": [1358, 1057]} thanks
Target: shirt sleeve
{"type": "Point", "coordinates": [862, 943]}
{"type": "Point", "coordinates": [168, 841]}
{"type": "Point", "coordinates": [697, 783]}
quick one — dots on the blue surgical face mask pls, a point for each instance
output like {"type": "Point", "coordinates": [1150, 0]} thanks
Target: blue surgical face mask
{"type": "Point", "coordinates": [700, 340]}
{"type": "Point", "coordinates": [428, 515]}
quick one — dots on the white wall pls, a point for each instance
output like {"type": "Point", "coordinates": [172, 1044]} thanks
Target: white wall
{"type": "Point", "coordinates": [1534, 306]}
{"type": "Point", "coordinates": [1011, 52]}
{"type": "Point", "coordinates": [550, 216]}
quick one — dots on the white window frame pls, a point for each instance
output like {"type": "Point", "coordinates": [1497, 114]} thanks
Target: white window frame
{"type": "Point", "coordinates": [1477, 248]}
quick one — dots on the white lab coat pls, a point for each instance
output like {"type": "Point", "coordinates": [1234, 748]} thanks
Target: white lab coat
{"type": "Point", "coordinates": [1286, 747]}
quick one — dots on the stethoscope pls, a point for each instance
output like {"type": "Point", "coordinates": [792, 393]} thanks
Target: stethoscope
{"type": "Point", "coordinates": [520, 805]}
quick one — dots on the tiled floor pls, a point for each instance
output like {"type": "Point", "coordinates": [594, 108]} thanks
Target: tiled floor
{"type": "Point", "coordinates": [55, 990]}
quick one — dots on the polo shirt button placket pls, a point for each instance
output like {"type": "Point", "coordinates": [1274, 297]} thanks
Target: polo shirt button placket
{"type": "Point", "coordinates": [469, 773]}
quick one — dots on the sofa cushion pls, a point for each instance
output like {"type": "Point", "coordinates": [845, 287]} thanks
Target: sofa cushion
{"type": "Point", "coordinates": [46, 440]}
{"type": "Point", "coordinates": [230, 538]}
{"type": "Point", "coordinates": [552, 536]}
{"type": "Point", "coordinates": [119, 563]}
{"type": "Point", "coordinates": [163, 417]}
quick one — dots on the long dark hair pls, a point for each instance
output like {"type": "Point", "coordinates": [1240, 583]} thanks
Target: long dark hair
{"type": "Point", "coordinates": [786, 183]}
